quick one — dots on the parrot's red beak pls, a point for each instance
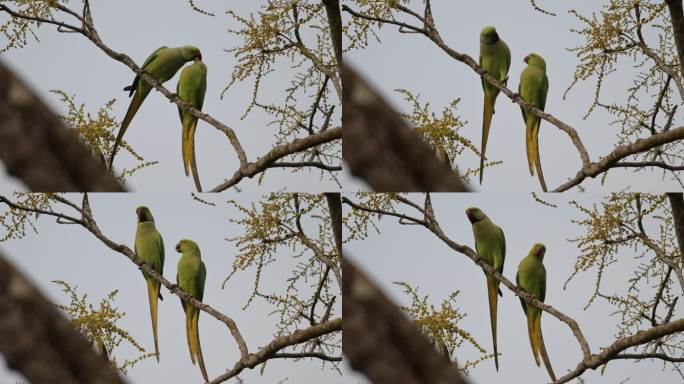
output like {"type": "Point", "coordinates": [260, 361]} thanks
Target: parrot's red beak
{"type": "Point", "coordinates": [141, 215]}
{"type": "Point", "coordinates": [526, 59]}
{"type": "Point", "coordinates": [178, 248]}
{"type": "Point", "coordinates": [199, 57]}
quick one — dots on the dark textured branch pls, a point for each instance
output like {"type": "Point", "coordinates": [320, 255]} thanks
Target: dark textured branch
{"type": "Point", "coordinates": [612, 351]}
{"type": "Point", "coordinates": [37, 341]}
{"type": "Point", "coordinates": [332, 9]}
{"type": "Point", "coordinates": [382, 149]}
{"type": "Point", "coordinates": [641, 356]}
{"type": "Point", "coordinates": [677, 204]}
{"type": "Point", "coordinates": [302, 164]}
{"type": "Point", "coordinates": [613, 158]}
{"type": "Point", "coordinates": [40, 150]}
{"type": "Point", "coordinates": [315, 355]}
{"type": "Point", "coordinates": [643, 164]}
{"type": "Point", "coordinates": [278, 344]}
{"type": "Point", "coordinates": [277, 153]}
{"type": "Point", "coordinates": [382, 343]}
{"type": "Point", "coordinates": [677, 21]}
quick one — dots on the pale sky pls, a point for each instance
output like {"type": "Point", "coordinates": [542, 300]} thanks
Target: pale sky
{"type": "Point", "coordinates": [413, 62]}
{"type": "Point", "coordinates": [78, 67]}
{"type": "Point", "coordinates": [68, 252]}
{"type": "Point", "coordinates": [414, 255]}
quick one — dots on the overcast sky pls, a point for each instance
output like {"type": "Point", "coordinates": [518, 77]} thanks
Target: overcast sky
{"type": "Point", "coordinates": [69, 253]}
{"type": "Point", "coordinates": [413, 62]}
{"type": "Point", "coordinates": [413, 255]}
{"type": "Point", "coordinates": [79, 68]}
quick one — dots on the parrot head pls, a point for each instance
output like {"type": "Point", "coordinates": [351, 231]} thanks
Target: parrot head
{"type": "Point", "coordinates": [190, 52]}
{"type": "Point", "coordinates": [489, 35]}
{"type": "Point", "coordinates": [186, 245]}
{"type": "Point", "coordinates": [144, 214]}
{"type": "Point", "coordinates": [538, 251]}
{"type": "Point", "coordinates": [475, 214]}
{"type": "Point", "coordinates": [535, 60]}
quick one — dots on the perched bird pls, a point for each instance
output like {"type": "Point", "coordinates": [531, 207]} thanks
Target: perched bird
{"type": "Point", "coordinates": [490, 245]}
{"type": "Point", "coordinates": [190, 279]}
{"type": "Point", "coordinates": [162, 65]}
{"type": "Point", "coordinates": [149, 247]}
{"type": "Point", "coordinates": [531, 278]}
{"type": "Point", "coordinates": [495, 59]}
{"type": "Point", "coordinates": [191, 88]}
{"type": "Point", "coordinates": [534, 85]}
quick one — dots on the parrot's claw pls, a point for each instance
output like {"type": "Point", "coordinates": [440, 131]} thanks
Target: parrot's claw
{"type": "Point", "coordinates": [173, 287]}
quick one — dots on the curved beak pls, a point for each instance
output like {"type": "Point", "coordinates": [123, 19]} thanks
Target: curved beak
{"type": "Point", "coordinates": [526, 59]}
{"type": "Point", "coordinates": [199, 57]}
{"type": "Point", "coordinates": [178, 248]}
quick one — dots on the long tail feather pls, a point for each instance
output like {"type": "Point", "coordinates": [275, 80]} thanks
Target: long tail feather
{"type": "Point", "coordinates": [492, 291]}
{"type": "Point", "coordinates": [530, 143]}
{"type": "Point", "coordinates": [188, 140]}
{"type": "Point", "coordinates": [198, 347]}
{"type": "Point", "coordinates": [542, 351]}
{"type": "Point", "coordinates": [486, 124]}
{"type": "Point", "coordinates": [533, 334]}
{"type": "Point", "coordinates": [153, 293]}
{"type": "Point", "coordinates": [537, 163]}
{"type": "Point", "coordinates": [136, 102]}
{"type": "Point", "coordinates": [190, 333]}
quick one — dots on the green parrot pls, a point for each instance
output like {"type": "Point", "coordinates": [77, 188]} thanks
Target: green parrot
{"type": "Point", "coordinates": [534, 85]}
{"type": "Point", "coordinates": [162, 65]}
{"type": "Point", "coordinates": [495, 58]}
{"type": "Point", "coordinates": [490, 245]}
{"type": "Point", "coordinates": [190, 278]}
{"type": "Point", "coordinates": [191, 87]}
{"type": "Point", "coordinates": [531, 278]}
{"type": "Point", "coordinates": [149, 247]}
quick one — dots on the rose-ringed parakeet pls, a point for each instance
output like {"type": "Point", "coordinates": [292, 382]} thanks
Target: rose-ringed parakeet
{"type": "Point", "coordinates": [190, 279]}
{"type": "Point", "coordinates": [531, 278]}
{"type": "Point", "coordinates": [149, 247]}
{"type": "Point", "coordinates": [490, 245]}
{"type": "Point", "coordinates": [534, 85]}
{"type": "Point", "coordinates": [162, 65]}
{"type": "Point", "coordinates": [495, 59]}
{"type": "Point", "coordinates": [191, 87]}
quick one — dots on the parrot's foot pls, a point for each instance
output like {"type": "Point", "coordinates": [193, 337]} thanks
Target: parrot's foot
{"type": "Point", "coordinates": [173, 286]}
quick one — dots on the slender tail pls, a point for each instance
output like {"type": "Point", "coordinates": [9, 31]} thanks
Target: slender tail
{"type": "Point", "coordinates": [529, 142]}
{"type": "Point", "coordinates": [198, 346]}
{"type": "Point", "coordinates": [537, 162]}
{"type": "Point", "coordinates": [189, 331]}
{"type": "Point", "coordinates": [153, 293]}
{"type": "Point", "coordinates": [542, 351]}
{"type": "Point", "coordinates": [533, 332]}
{"type": "Point", "coordinates": [486, 124]}
{"type": "Point", "coordinates": [188, 141]}
{"type": "Point", "coordinates": [492, 289]}
{"type": "Point", "coordinates": [136, 102]}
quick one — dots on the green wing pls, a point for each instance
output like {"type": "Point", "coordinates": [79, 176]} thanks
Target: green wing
{"type": "Point", "coordinates": [152, 57]}
{"type": "Point", "coordinates": [522, 302]}
{"type": "Point", "coordinates": [542, 285]}
{"type": "Point", "coordinates": [199, 281]}
{"type": "Point", "coordinates": [544, 91]}
{"type": "Point", "coordinates": [160, 244]}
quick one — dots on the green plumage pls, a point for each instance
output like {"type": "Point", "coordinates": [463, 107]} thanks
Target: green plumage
{"type": "Point", "coordinates": [149, 247]}
{"type": "Point", "coordinates": [190, 279]}
{"type": "Point", "coordinates": [490, 245]}
{"type": "Point", "coordinates": [192, 86]}
{"type": "Point", "coordinates": [495, 59]}
{"type": "Point", "coordinates": [531, 278]}
{"type": "Point", "coordinates": [162, 65]}
{"type": "Point", "coordinates": [534, 85]}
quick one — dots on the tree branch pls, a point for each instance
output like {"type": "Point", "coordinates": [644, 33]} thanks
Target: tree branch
{"type": "Point", "coordinates": [39, 342]}
{"type": "Point", "coordinates": [40, 150]}
{"type": "Point", "coordinates": [382, 149]}
{"type": "Point", "coordinates": [382, 343]}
